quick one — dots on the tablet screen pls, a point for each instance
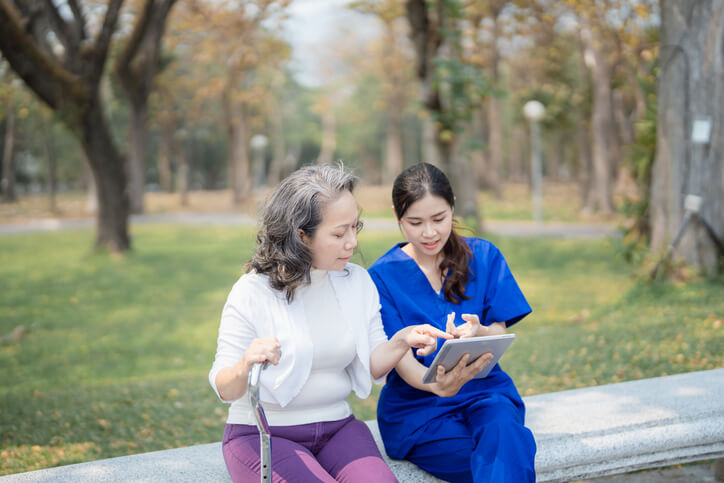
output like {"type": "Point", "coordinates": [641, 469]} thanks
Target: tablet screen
{"type": "Point", "coordinates": [453, 350]}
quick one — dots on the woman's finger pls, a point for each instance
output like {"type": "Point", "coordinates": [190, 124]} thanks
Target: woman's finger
{"type": "Point", "coordinates": [450, 324]}
{"type": "Point", "coordinates": [480, 363]}
{"type": "Point", "coordinates": [434, 332]}
{"type": "Point", "coordinates": [462, 364]}
{"type": "Point", "coordinates": [472, 318]}
{"type": "Point", "coordinates": [425, 351]}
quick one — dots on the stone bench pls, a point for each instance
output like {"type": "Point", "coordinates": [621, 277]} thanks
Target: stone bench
{"type": "Point", "coordinates": [581, 433]}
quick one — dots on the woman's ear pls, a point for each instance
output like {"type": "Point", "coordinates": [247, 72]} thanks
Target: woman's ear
{"type": "Point", "coordinates": [303, 236]}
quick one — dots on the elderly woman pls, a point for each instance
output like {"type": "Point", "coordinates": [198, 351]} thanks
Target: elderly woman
{"type": "Point", "coordinates": [303, 307]}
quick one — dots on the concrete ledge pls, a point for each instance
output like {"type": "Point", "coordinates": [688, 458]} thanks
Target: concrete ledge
{"type": "Point", "coordinates": [581, 433]}
{"type": "Point", "coordinates": [624, 427]}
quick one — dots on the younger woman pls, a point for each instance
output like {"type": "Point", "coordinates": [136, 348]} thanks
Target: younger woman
{"type": "Point", "coordinates": [457, 428]}
{"type": "Point", "coordinates": [303, 307]}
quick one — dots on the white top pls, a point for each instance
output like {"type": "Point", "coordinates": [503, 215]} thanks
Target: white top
{"type": "Point", "coordinates": [326, 335]}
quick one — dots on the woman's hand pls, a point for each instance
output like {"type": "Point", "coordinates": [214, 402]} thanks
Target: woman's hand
{"type": "Point", "coordinates": [472, 327]}
{"type": "Point", "coordinates": [388, 354]}
{"type": "Point", "coordinates": [423, 338]}
{"type": "Point", "coordinates": [231, 381]}
{"type": "Point", "coordinates": [449, 383]}
{"type": "Point", "coordinates": [259, 351]}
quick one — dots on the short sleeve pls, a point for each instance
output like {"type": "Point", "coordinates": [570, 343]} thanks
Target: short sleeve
{"type": "Point", "coordinates": [504, 301]}
{"type": "Point", "coordinates": [235, 334]}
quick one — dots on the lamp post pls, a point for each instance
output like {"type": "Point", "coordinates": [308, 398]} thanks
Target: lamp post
{"type": "Point", "coordinates": [258, 144]}
{"type": "Point", "coordinates": [534, 112]}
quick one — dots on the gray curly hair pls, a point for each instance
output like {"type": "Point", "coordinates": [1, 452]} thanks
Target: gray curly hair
{"type": "Point", "coordinates": [296, 204]}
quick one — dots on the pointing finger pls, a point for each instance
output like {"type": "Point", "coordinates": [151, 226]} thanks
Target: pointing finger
{"type": "Point", "coordinates": [435, 332]}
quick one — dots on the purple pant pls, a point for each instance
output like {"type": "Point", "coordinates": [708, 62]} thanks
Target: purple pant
{"type": "Point", "coordinates": [331, 451]}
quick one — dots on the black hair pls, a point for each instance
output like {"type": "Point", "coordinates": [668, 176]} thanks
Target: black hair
{"type": "Point", "coordinates": [412, 185]}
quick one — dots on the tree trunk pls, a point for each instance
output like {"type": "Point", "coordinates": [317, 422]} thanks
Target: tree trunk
{"type": "Point", "coordinates": [393, 146]}
{"type": "Point", "coordinates": [691, 87]}
{"type": "Point", "coordinates": [495, 146]}
{"type": "Point", "coordinates": [239, 159]}
{"type": "Point", "coordinates": [371, 169]}
{"type": "Point", "coordinates": [329, 137]}
{"type": "Point", "coordinates": [277, 145]}
{"type": "Point", "coordinates": [110, 180]}
{"type": "Point", "coordinates": [8, 180]}
{"type": "Point", "coordinates": [182, 170]}
{"type": "Point", "coordinates": [585, 165]}
{"type": "Point", "coordinates": [551, 154]}
{"type": "Point", "coordinates": [464, 185]}
{"type": "Point", "coordinates": [89, 183]}
{"type": "Point", "coordinates": [601, 126]}
{"type": "Point", "coordinates": [137, 157]}
{"type": "Point", "coordinates": [583, 139]}
{"type": "Point", "coordinates": [51, 157]}
{"type": "Point", "coordinates": [430, 152]}
{"type": "Point", "coordinates": [165, 149]}
{"type": "Point", "coordinates": [476, 132]}
{"type": "Point", "coordinates": [136, 67]}
{"type": "Point", "coordinates": [518, 142]}
{"type": "Point", "coordinates": [625, 185]}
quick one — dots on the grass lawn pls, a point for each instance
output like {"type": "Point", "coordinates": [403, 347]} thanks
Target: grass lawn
{"type": "Point", "coordinates": [116, 353]}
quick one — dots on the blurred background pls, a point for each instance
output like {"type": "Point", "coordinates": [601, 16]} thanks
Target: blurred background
{"type": "Point", "coordinates": [121, 100]}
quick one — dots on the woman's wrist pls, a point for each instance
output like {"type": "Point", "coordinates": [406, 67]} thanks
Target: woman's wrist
{"type": "Point", "coordinates": [242, 368]}
{"type": "Point", "coordinates": [399, 340]}
{"type": "Point", "coordinates": [496, 328]}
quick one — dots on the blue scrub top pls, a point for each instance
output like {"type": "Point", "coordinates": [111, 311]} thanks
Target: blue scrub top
{"type": "Point", "coordinates": [407, 298]}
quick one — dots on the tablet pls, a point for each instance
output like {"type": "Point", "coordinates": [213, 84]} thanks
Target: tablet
{"type": "Point", "coordinates": [453, 349]}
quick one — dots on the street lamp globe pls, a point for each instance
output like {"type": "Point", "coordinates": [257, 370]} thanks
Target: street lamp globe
{"type": "Point", "coordinates": [259, 141]}
{"type": "Point", "coordinates": [534, 110]}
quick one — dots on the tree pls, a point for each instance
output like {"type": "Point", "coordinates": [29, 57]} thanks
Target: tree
{"type": "Point", "coordinates": [478, 12]}
{"type": "Point", "coordinates": [136, 67]}
{"type": "Point", "coordinates": [7, 183]}
{"type": "Point", "coordinates": [450, 88]}
{"type": "Point", "coordinates": [66, 75]}
{"type": "Point", "coordinates": [690, 89]}
{"type": "Point", "coordinates": [393, 65]}
{"type": "Point", "coordinates": [234, 51]}
{"type": "Point", "coordinates": [610, 31]}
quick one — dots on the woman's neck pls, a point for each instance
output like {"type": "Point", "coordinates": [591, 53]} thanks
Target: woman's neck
{"type": "Point", "coordinates": [429, 264]}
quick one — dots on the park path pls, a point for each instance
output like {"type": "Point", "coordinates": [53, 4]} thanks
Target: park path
{"type": "Point", "coordinates": [506, 228]}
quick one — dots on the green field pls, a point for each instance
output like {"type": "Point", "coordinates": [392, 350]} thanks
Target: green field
{"type": "Point", "coordinates": [115, 353]}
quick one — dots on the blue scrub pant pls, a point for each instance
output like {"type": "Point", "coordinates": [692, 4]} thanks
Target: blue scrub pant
{"type": "Point", "coordinates": [484, 441]}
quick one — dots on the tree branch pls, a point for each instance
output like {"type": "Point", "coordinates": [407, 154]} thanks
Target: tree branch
{"type": "Point", "coordinates": [61, 28]}
{"type": "Point", "coordinates": [79, 19]}
{"type": "Point", "coordinates": [103, 41]}
{"type": "Point", "coordinates": [42, 73]}
{"type": "Point", "coordinates": [137, 63]}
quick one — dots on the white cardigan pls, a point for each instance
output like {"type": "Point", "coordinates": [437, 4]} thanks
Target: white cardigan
{"type": "Point", "coordinates": [255, 310]}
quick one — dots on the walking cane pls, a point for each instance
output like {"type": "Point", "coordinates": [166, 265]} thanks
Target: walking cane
{"type": "Point", "coordinates": [261, 422]}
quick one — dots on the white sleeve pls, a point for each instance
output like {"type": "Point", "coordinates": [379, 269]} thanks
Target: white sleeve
{"type": "Point", "coordinates": [375, 331]}
{"type": "Point", "coordinates": [235, 334]}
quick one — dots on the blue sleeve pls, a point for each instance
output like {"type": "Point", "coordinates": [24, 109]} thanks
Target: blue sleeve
{"type": "Point", "coordinates": [391, 320]}
{"type": "Point", "coordinates": [504, 301]}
